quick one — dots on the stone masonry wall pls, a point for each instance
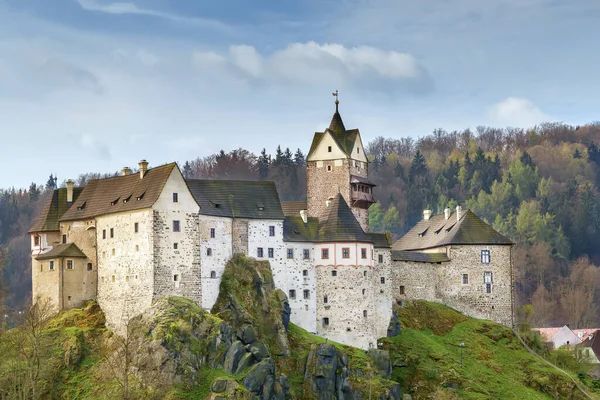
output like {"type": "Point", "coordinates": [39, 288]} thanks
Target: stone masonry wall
{"type": "Point", "coordinates": [383, 293]}
{"type": "Point", "coordinates": [301, 276]}
{"type": "Point", "coordinates": [220, 249]}
{"type": "Point", "coordinates": [323, 184]}
{"type": "Point", "coordinates": [125, 265]}
{"type": "Point", "coordinates": [444, 282]}
{"type": "Point", "coordinates": [240, 236]}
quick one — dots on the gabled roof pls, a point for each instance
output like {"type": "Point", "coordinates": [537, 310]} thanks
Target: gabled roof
{"type": "Point", "coordinates": [583, 334]}
{"type": "Point", "coordinates": [293, 208]}
{"type": "Point", "coordinates": [237, 199]}
{"type": "Point", "coordinates": [593, 342]}
{"type": "Point", "coordinates": [62, 250]}
{"type": "Point", "coordinates": [53, 210]}
{"type": "Point", "coordinates": [344, 138]}
{"type": "Point", "coordinates": [360, 179]}
{"type": "Point", "coordinates": [295, 230]}
{"type": "Point", "coordinates": [438, 231]}
{"type": "Point", "coordinates": [415, 256]}
{"type": "Point", "coordinates": [120, 193]}
{"type": "Point", "coordinates": [548, 333]}
{"type": "Point", "coordinates": [338, 224]}
{"type": "Point", "coordinates": [380, 240]}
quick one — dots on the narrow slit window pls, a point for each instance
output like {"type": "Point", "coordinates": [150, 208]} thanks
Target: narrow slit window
{"type": "Point", "coordinates": [176, 227]}
{"type": "Point", "coordinates": [175, 198]}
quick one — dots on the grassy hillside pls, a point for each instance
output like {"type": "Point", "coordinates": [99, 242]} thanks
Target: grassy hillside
{"type": "Point", "coordinates": [426, 357]}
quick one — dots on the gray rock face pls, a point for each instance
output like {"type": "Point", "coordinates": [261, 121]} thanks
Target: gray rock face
{"type": "Point", "coordinates": [246, 362]}
{"type": "Point", "coordinates": [394, 326]}
{"type": "Point", "coordinates": [233, 357]}
{"type": "Point", "coordinates": [259, 350]}
{"type": "Point", "coordinates": [381, 362]}
{"type": "Point", "coordinates": [246, 334]}
{"type": "Point", "coordinates": [261, 379]}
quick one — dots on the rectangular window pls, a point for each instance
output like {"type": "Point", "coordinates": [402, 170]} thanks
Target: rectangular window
{"type": "Point", "coordinates": [488, 288]}
{"type": "Point", "coordinates": [380, 258]}
{"type": "Point", "coordinates": [175, 198]}
{"type": "Point", "coordinates": [365, 313]}
{"type": "Point", "coordinates": [290, 253]}
{"type": "Point", "coordinates": [325, 321]}
{"type": "Point", "coordinates": [485, 256]}
{"type": "Point", "coordinates": [306, 294]}
{"type": "Point", "coordinates": [382, 280]}
{"type": "Point", "coordinates": [176, 278]}
{"type": "Point", "coordinates": [209, 252]}
{"type": "Point", "coordinates": [329, 149]}
{"type": "Point", "coordinates": [465, 279]}
{"type": "Point", "coordinates": [36, 240]}
{"type": "Point", "coordinates": [325, 300]}
{"type": "Point", "coordinates": [304, 272]}
{"type": "Point", "coordinates": [270, 252]}
{"type": "Point", "coordinates": [175, 246]}
{"type": "Point", "coordinates": [259, 252]}
{"type": "Point", "coordinates": [89, 266]}
{"type": "Point", "coordinates": [69, 264]}
{"type": "Point", "coordinates": [346, 252]}
{"type": "Point", "coordinates": [64, 239]}
{"type": "Point", "coordinates": [212, 233]}
{"type": "Point", "coordinates": [103, 233]}
{"type": "Point", "coordinates": [487, 277]}
{"type": "Point", "coordinates": [136, 227]}
{"type": "Point", "coordinates": [51, 265]}
{"type": "Point", "coordinates": [334, 273]}
{"type": "Point", "coordinates": [112, 233]}
{"type": "Point", "coordinates": [271, 230]}
{"type": "Point", "coordinates": [176, 226]}
{"type": "Point", "coordinates": [363, 253]}
{"type": "Point", "coordinates": [306, 254]}
{"type": "Point", "coordinates": [292, 294]}
{"type": "Point", "coordinates": [402, 290]}
{"type": "Point", "coordinates": [325, 254]}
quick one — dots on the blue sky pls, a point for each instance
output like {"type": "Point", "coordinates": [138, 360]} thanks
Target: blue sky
{"type": "Point", "coordinates": [95, 85]}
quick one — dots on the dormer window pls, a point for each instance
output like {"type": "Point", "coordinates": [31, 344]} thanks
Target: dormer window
{"type": "Point", "coordinates": [112, 203]}
{"type": "Point", "coordinates": [141, 196]}
{"type": "Point", "coordinates": [126, 199]}
{"type": "Point", "coordinates": [421, 234]}
{"type": "Point", "coordinates": [260, 208]}
{"type": "Point", "coordinates": [215, 205]}
{"type": "Point", "coordinates": [81, 207]}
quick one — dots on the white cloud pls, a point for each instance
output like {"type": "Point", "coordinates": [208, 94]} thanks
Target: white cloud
{"type": "Point", "coordinates": [121, 8]}
{"type": "Point", "coordinates": [515, 111]}
{"type": "Point", "coordinates": [314, 63]}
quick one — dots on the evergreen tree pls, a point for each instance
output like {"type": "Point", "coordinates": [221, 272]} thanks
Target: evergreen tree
{"type": "Point", "coordinates": [51, 184]}
{"type": "Point", "coordinates": [34, 192]}
{"type": "Point", "coordinates": [299, 159]}
{"type": "Point", "coordinates": [187, 170]}
{"type": "Point", "coordinates": [264, 161]}
{"type": "Point", "coordinates": [278, 156]}
{"type": "Point", "coordinates": [576, 154]}
{"type": "Point", "coordinates": [288, 158]}
{"type": "Point", "coordinates": [527, 160]}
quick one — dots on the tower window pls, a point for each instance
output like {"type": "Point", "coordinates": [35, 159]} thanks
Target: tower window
{"type": "Point", "coordinates": [89, 266]}
{"type": "Point", "coordinates": [175, 198]}
{"type": "Point", "coordinates": [485, 256]}
{"type": "Point", "coordinates": [112, 233]}
{"type": "Point", "coordinates": [329, 168]}
{"type": "Point", "coordinates": [357, 150]}
{"type": "Point", "coordinates": [103, 233]}
{"type": "Point", "coordinates": [51, 265]}
{"type": "Point", "coordinates": [380, 258]}
{"type": "Point", "coordinates": [213, 274]}
{"type": "Point", "coordinates": [329, 149]}
{"type": "Point", "coordinates": [365, 313]}
{"type": "Point", "coordinates": [346, 252]}
{"type": "Point", "coordinates": [64, 239]}
{"type": "Point", "coordinates": [364, 291]}
{"type": "Point", "coordinates": [306, 294]}
{"type": "Point", "coordinates": [270, 252]}
{"type": "Point", "coordinates": [36, 240]}
{"type": "Point", "coordinates": [136, 227]}
{"type": "Point", "coordinates": [175, 246]}
{"type": "Point", "coordinates": [271, 230]}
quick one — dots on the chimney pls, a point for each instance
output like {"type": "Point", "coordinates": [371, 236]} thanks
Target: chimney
{"type": "Point", "coordinates": [426, 215]}
{"type": "Point", "coordinates": [70, 185]}
{"type": "Point", "coordinates": [446, 213]}
{"type": "Point", "coordinates": [304, 215]}
{"type": "Point", "coordinates": [458, 213]}
{"type": "Point", "coordinates": [143, 168]}
{"type": "Point", "coordinates": [126, 171]}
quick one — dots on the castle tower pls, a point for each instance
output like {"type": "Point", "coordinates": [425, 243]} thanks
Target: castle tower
{"type": "Point", "coordinates": [337, 163]}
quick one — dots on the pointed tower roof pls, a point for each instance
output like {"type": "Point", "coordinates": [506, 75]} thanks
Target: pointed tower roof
{"type": "Point", "coordinates": [344, 138]}
{"type": "Point", "coordinates": [338, 224]}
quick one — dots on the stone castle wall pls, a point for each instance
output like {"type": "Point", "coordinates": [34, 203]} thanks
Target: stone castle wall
{"type": "Point", "coordinates": [323, 184]}
{"type": "Point", "coordinates": [301, 276]}
{"type": "Point", "coordinates": [444, 282]}
{"type": "Point", "coordinates": [382, 291]}
{"type": "Point", "coordinates": [215, 252]}
{"type": "Point", "coordinates": [259, 236]}
{"type": "Point", "coordinates": [240, 235]}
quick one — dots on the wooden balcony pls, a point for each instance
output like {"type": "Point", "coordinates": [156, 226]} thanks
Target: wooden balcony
{"type": "Point", "coordinates": [362, 199]}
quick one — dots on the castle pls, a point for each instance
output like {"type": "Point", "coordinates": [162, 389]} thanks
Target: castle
{"type": "Point", "coordinates": [129, 240]}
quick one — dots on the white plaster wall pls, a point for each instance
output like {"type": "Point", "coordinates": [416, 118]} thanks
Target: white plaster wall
{"type": "Point", "coordinates": [336, 254]}
{"type": "Point", "coordinates": [221, 252]}
{"type": "Point", "coordinates": [360, 154]}
{"type": "Point", "coordinates": [322, 153]}
{"type": "Point", "coordinates": [183, 262]}
{"type": "Point", "coordinates": [304, 311]}
{"type": "Point", "coordinates": [563, 336]}
{"type": "Point", "coordinates": [131, 265]}
{"type": "Point", "coordinates": [258, 236]}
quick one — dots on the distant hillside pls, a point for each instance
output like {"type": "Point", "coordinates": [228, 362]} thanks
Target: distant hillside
{"type": "Point", "coordinates": [248, 348]}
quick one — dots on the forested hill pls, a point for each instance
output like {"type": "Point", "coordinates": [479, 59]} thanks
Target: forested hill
{"type": "Point", "coordinates": [538, 186]}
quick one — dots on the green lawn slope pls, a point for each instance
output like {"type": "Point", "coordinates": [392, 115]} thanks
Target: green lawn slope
{"type": "Point", "coordinates": [426, 359]}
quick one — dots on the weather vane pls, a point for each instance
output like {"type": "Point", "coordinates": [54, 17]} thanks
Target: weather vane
{"type": "Point", "coordinates": [337, 100]}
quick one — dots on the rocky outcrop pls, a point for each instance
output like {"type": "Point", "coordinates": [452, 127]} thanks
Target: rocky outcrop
{"type": "Point", "coordinates": [228, 389]}
{"type": "Point", "coordinates": [381, 362]}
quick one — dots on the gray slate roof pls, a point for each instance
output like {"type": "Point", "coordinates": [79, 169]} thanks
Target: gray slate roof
{"type": "Point", "coordinates": [54, 209]}
{"type": "Point", "coordinates": [344, 138]}
{"type": "Point", "coordinates": [338, 224]}
{"type": "Point", "coordinates": [415, 256]}
{"type": "Point", "coordinates": [239, 199]}
{"type": "Point", "coordinates": [63, 250]}
{"type": "Point", "coordinates": [295, 230]}
{"type": "Point", "coordinates": [292, 208]}
{"type": "Point", "coordinates": [380, 240]}
{"type": "Point", "coordinates": [438, 231]}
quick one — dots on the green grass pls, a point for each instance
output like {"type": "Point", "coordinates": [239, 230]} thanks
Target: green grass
{"type": "Point", "coordinates": [427, 358]}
